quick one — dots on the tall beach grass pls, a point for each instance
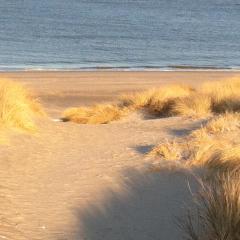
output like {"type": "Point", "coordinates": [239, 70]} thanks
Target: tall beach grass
{"type": "Point", "coordinates": [17, 106]}
{"type": "Point", "coordinates": [216, 214]}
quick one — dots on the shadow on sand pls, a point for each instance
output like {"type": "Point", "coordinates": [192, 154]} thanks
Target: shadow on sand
{"type": "Point", "coordinates": [143, 149]}
{"type": "Point", "coordinates": [183, 132]}
{"type": "Point", "coordinates": [146, 207]}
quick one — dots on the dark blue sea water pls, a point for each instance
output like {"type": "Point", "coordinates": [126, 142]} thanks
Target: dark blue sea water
{"type": "Point", "coordinates": [124, 34]}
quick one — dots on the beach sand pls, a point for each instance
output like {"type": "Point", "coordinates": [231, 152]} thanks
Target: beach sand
{"type": "Point", "coordinates": [93, 182]}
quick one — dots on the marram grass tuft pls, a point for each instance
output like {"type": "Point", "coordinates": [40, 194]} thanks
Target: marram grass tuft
{"type": "Point", "coordinates": [17, 107]}
{"type": "Point", "coordinates": [216, 214]}
{"type": "Point", "coordinates": [98, 114]}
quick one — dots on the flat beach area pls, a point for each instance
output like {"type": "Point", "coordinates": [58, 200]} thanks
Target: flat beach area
{"type": "Point", "coordinates": [93, 182]}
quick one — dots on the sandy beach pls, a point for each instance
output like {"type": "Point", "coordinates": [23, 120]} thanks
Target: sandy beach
{"type": "Point", "coordinates": [93, 182]}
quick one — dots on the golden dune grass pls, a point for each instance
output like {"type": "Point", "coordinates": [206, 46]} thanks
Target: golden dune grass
{"type": "Point", "coordinates": [212, 154]}
{"type": "Point", "coordinates": [224, 159]}
{"type": "Point", "coordinates": [137, 100]}
{"type": "Point", "coordinates": [17, 106]}
{"type": "Point", "coordinates": [225, 95]}
{"type": "Point", "coordinates": [190, 151]}
{"type": "Point", "coordinates": [98, 114]}
{"type": "Point", "coordinates": [202, 146]}
{"type": "Point", "coordinates": [211, 98]}
{"type": "Point", "coordinates": [217, 210]}
{"type": "Point", "coordinates": [195, 105]}
{"type": "Point", "coordinates": [224, 122]}
{"type": "Point", "coordinates": [163, 100]}
{"type": "Point", "coordinates": [169, 150]}
{"type": "Point", "coordinates": [215, 138]}
{"type": "Point", "coordinates": [157, 101]}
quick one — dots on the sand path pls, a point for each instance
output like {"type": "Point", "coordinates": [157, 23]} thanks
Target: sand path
{"type": "Point", "coordinates": [88, 182]}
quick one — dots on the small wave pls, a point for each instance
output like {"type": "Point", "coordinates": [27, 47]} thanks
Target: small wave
{"type": "Point", "coordinates": [197, 67]}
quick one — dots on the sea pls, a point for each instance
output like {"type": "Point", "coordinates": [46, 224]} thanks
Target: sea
{"type": "Point", "coordinates": [119, 35]}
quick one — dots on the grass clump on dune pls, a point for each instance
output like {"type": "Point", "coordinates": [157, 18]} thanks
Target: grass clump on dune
{"type": "Point", "coordinates": [157, 101]}
{"type": "Point", "coordinates": [217, 211]}
{"type": "Point", "coordinates": [198, 105]}
{"type": "Point", "coordinates": [169, 150]}
{"type": "Point", "coordinates": [224, 122]}
{"type": "Point", "coordinates": [137, 100]}
{"type": "Point", "coordinates": [163, 100]}
{"type": "Point", "coordinates": [98, 114]}
{"type": "Point", "coordinates": [191, 151]}
{"type": "Point", "coordinates": [225, 159]}
{"type": "Point", "coordinates": [211, 98]}
{"type": "Point", "coordinates": [200, 148]}
{"type": "Point", "coordinates": [17, 107]}
{"type": "Point", "coordinates": [225, 95]}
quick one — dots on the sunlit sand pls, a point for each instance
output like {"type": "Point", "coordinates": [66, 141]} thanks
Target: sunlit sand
{"type": "Point", "coordinates": [118, 180]}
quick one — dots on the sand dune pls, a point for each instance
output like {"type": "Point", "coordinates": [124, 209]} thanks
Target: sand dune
{"type": "Point", "coordinates": [94, 182]}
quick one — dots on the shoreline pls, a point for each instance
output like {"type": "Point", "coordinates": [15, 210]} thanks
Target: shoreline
{"type": "Point", "coordinates": [134, 70]}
